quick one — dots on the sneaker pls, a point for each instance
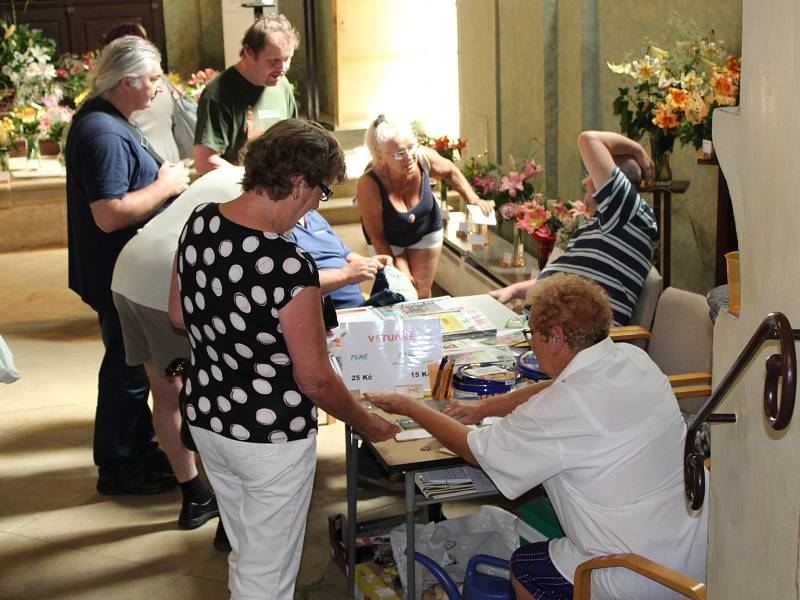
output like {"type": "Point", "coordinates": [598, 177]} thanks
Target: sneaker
{"type": "Point", "coordinates": [221, 542]}
{"type": "Point", "coordinates": [140, 483]}
{"type": "Point", "coordinates": [195, 514]}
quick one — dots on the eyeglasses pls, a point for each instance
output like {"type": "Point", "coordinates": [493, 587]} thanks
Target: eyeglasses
{"type": "Point", "coordinates": [401, 154]}
{"type": "Point", "coordinates": [528, 333]}
{"type": "Point", "coordinates": [326, 192]}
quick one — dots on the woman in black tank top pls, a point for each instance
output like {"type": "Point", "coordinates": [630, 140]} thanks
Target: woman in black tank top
{"type": "Point", "coordinates": [399, 212]}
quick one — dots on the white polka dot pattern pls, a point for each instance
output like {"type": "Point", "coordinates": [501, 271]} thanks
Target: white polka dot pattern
{"type": "Point", "coordinates": [225, 248]}
{"type": "Point", "coordinates": [266, 370]}
{"type": "Point", "coordinates": [258, 295]}
{"type": "Point", "coordinates": [250, 244]}
{"type": "Point", "coordinates": [291, 266]}
{"type": "Point", "coordinates": [239, 432]}
{"type": "Point", "coordinates": [233, 282]}
{"type": "Point", "coordinates": [265, 265]}
{"type": "Point", "coordinates": [277, 437]}
{"type": "Point", "coordinates": [292, 398]}
{"type": "Point", "coordinates": [266, 416]}
{"type": "Point", "coordinates": [262, 386]}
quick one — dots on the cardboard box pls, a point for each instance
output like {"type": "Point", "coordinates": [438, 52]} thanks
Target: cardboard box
{"type": "Point", "coordinates": [370, 585]}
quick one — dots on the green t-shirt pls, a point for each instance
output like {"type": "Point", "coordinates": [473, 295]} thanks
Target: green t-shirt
{"type": "Point", "coordinates": [223, 106]}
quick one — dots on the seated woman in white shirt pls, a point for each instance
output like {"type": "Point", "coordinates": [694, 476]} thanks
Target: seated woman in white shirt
{"type": "Point", "coordinates": [605, 439]}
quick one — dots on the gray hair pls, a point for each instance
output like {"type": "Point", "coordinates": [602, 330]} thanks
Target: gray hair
{"type": "Point", "coordinates": [127, 56]}
{"type": "Point", "coordinates": [381, 130]}
{"type": "Point", "coordinates": [630, 168]}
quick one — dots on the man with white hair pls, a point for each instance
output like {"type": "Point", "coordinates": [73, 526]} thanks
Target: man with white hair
{"type": "Point", "coordinates": [249, 97]}
{"type": "Point", "coordinates": [114, 184]}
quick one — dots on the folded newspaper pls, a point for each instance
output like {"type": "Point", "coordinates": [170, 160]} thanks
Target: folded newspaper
{"type": "Point", "coordinates": [457, 481]}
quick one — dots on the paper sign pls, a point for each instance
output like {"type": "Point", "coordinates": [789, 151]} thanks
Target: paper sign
{"type": "Point", "coordinates": [379, 356]}
{"type": "Point", "coordinates": [479, 218]}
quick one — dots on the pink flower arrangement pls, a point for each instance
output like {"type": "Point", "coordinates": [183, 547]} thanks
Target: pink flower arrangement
{"type": "Point", "coordinates": [502, 184]}
{"type": "Point", "coordinates": [546, 220]}
{"type": "Point", "coordinates": [198, 82]}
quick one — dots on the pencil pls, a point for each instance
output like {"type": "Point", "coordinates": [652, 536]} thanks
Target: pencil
{"type": "Point", "coordinates": [437, 384]}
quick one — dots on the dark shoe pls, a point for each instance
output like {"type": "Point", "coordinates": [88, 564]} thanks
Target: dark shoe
{"type": "Point", "coordinates": [157, 462]}
{"type": "Point", "coordinates": [141, 483]}
{"type": "Point", "coordinates": [195, 514]}
{"type": "Point", "coordinates": [221, 542]}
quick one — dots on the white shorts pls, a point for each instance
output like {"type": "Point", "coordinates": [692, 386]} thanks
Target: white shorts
{"type": "Point", "coordinates": [263, 492]}
{"type": "Point", "coordinates": [433, 240]}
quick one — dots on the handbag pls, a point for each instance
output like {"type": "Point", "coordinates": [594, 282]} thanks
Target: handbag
{"type": "Point", "coordinates": [184, 121]}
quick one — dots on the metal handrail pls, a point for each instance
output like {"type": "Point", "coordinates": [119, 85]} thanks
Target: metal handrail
{"type": "Point", "coordinates": [780, 367]}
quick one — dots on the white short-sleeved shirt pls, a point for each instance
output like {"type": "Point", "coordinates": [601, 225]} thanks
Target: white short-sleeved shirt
{"type": "Point", "coordinates": [606, 440]}
{"type": "Point", "coordinates": [143, 269]}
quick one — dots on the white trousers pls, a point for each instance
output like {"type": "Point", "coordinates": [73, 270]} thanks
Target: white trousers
{"type": "Point", "coordinates": [263, 492]}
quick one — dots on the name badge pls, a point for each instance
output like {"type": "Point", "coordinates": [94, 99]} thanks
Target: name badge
{"type": "Point", "coordinates": [267, 113]}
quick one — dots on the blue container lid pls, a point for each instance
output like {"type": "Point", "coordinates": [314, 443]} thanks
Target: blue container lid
{"type": "Point", "coordinates": [487, 373]}
{"type": "Point", "coordinates": [528, 366]}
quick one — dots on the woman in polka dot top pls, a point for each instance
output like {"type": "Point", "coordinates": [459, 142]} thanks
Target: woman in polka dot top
{"type": "Point", "coordinates": [250, 302]}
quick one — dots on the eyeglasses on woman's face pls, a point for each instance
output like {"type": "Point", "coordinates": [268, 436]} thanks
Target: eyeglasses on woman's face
{"type": "Point", "coordinates": [403, 152]}
{"type": "Point", "coordinates": [326, 192]}
{"type": "Point", "coordinates": [528, 333]}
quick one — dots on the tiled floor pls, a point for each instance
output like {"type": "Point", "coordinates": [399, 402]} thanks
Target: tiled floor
{"type": "Point", "coordinates": [60, 539]}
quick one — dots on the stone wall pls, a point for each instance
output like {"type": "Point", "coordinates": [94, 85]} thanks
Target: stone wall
{"type": "Point", "coordinates": [533, 75]}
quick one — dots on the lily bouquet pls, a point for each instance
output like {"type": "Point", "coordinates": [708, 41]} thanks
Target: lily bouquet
{"type": "Point", "coordinates": [25, 56]}
{"type": "Point", "coordinates": [515, 184]}
{"type": "Point", "coordinates": [548, 221]}
{"type": "Point", "coordinates": [674, 92]}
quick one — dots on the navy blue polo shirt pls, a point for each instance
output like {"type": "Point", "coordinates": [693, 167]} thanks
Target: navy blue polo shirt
{"type": "Point", "coordinates": [320, 240]}
{"type": "Point", "coordinates": [104, 160]}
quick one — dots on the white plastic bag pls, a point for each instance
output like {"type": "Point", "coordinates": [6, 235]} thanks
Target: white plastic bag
{"type": "Point", "coordinates": [453, 542]}
{"type": "Point", "coordinates": [8, 372]}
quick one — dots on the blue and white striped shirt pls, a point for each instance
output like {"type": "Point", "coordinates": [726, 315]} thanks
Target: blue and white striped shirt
{"type": "Point", "coordinates": [615, 247]}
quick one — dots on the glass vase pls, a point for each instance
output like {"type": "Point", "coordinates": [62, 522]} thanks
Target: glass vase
{"type": "Point", "coordinates": [4, 158]}
{"type": "Point", "coordinates": [33, 152]}
{"type": "Point", "coordinates": [518, 251]}
{"type": "Point", "coordinates": [62, 160]}
{"type": "Point", "coordinates": [661, 153]}
{"type": "Point", "coordinates": [545, 247]}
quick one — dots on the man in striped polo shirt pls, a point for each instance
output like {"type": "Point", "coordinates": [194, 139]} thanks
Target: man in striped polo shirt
{"type": "Point", "coordinates": [615, 247]}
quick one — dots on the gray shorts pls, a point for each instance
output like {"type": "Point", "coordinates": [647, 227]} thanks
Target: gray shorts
{"type": "Point", "coordinates": [149, 336]}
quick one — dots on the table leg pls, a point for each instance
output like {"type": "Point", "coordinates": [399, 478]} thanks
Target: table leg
{"type": "Point", "coordinates": [410, 533]}
{"type": "Point", "coordinates": [351, 470]}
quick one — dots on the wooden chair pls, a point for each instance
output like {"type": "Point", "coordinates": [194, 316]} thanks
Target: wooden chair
{"type": "Point", "coordinates": [680, 343]}
{"type": "Point", "coordinates": [683, 584]}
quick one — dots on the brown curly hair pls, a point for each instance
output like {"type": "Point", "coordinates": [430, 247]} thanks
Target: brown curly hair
{"type": "Point", "coordinates": [579, 306]}
{"type": "Point", "coordinates": [289, 148]}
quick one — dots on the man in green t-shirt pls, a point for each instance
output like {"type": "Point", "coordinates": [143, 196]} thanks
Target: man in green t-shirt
{"type": "Point", "coordinates": [249, 97]}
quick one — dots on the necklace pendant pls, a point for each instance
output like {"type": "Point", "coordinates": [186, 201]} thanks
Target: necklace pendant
{"type": "Point", "coordinates": [411, 218]}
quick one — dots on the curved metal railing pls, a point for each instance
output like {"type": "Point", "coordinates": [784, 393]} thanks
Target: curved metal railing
{"type": "Point", "coordinates": [777, 407]}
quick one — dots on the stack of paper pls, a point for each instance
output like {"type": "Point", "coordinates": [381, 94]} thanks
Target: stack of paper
{"type": "Point", "coordinates": [450, 483]}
